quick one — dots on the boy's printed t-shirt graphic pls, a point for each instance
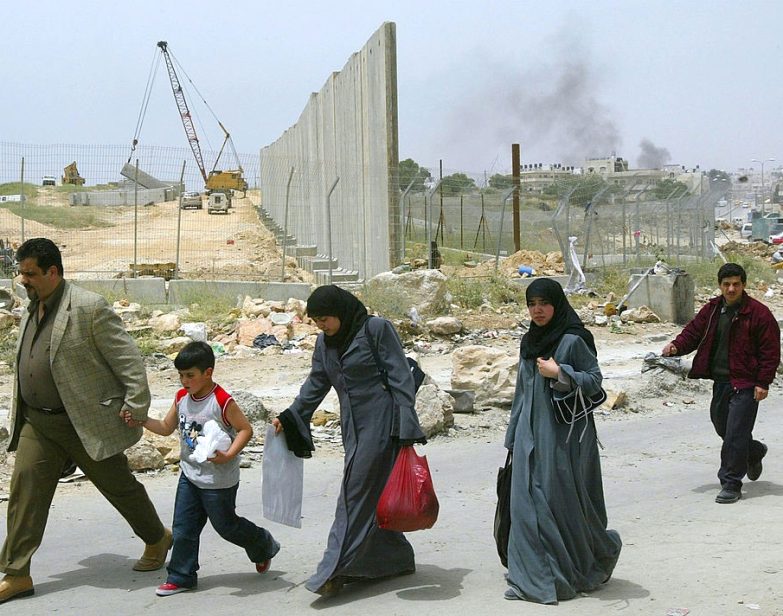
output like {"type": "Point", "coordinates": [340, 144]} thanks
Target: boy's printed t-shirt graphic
{"type": "Point", "coordinates": [193, 414]}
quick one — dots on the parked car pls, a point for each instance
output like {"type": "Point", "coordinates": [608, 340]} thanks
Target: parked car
{"type": "Point", "coordinates": [777, 238]}
{"type": "Point", "coordinates": [191, 200]}
{"type": "Point", "coordinates": [746, 231]}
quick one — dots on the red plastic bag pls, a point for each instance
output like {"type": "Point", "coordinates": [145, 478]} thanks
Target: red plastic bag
{"type": "Point", "coordinates": [408, 501]}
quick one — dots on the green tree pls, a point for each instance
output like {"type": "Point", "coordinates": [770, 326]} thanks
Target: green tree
{"type": "Point", "coordinates": [669, 189]}
{"type": "Point", "coordinates": [717, 174]}
{"type": "Point", "coordinates": [410, 171]}
{"type": "Point", "coordinates": [457, 184]}
{"type": "Point", "coordinates": [581, 188]}
{"type": "Point", "coordinates": [501, 182]}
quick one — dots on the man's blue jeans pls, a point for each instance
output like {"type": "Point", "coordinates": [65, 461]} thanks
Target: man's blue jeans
{"type": "Point", "coordinates": [192, 508]}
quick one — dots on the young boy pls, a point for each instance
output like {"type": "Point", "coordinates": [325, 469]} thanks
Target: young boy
{"type": "Point", "coordinates": [206, 490]}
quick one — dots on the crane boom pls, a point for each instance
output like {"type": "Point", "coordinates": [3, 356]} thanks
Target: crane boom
{"type": "Point", "coordinates": [184, 111]}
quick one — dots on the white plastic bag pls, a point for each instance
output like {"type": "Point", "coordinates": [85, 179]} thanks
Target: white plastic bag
{"type": "Point", "coordinates": [213, 438]}
{"type": "Point", "coordinates": [282, 481]}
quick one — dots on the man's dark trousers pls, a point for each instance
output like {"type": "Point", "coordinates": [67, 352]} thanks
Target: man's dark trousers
{"type": "Point", "coordinates": [733, 413]}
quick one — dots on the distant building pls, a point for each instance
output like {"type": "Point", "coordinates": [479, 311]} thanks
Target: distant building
{"type": "Point", "coordinates": [535, 177]}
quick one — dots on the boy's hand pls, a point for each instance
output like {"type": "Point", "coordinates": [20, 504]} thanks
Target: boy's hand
{"type": "Point", "coordinates": [220, 457]}
{"type": "Point", "coordinates": [278, 426]}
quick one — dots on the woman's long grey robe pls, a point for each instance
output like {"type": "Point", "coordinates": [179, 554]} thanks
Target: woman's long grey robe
{"type": "Point", "coordinates": [559, 544]}
{"type": "Point", "coordinates": [371, 421]}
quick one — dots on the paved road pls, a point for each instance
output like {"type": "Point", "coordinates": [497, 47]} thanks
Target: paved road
{"type": "Point", "coordinates": [681, 549]}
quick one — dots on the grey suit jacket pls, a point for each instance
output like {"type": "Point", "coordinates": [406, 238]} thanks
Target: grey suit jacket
{"type": "Point", "coordinates": [98, 370]}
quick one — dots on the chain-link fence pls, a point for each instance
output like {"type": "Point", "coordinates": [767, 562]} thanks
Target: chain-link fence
{"type": "Point", "coordinates": [614, 224]}
{"type": "Point", "coordinates": [109, 224]}
{"type": "Point", "coordinates": [138, 231]}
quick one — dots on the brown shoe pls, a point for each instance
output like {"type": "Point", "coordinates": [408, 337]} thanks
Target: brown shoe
{"type": "Point", "coordinates": [15, 586]}
{"type": "Point", "coordinates": [154, 556]}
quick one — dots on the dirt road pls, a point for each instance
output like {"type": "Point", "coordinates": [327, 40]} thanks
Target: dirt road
{"type": "Point", "coordinates": [681, 549]}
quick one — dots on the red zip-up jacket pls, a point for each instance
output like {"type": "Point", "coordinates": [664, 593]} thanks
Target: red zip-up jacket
{"type": "Point", "coordinates": [754, 343]}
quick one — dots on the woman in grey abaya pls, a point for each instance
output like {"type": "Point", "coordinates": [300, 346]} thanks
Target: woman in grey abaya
{"type": "Point", "coordinates": [374, 422]}
{"type": "Point", "coordinates": [558, 543]}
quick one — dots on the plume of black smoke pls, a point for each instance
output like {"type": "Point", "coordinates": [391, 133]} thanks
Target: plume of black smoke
{"type": "Point", "coordinates": [551, 109]}
{"type": "Point", "coordinates": [651, 156]}
{"type": "Point", "coordinates": [564, 117]}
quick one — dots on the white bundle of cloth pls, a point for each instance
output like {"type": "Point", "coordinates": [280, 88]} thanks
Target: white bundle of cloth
{"type": "Point", "coordinates": [213, 439]}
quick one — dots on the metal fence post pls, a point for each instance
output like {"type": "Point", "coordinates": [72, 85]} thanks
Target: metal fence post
{"type": "Point", "coordinates": [21, 187]}
{"type": "Point", "coordinates": [500, 230]}
{"type": "Point", "coordinates": [136, 220]}
{"type": "Point", "coordinates": [179, 219]}
{"type": "Point", "coordinates": [329, 224]}
{"type": "Point", "coordinates": [285, 221]}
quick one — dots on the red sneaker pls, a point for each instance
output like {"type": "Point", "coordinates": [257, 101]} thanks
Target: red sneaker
{"type": "Point", "coordinates": [164, 590]}
{"type": "Point", "coordinates": [264, 566]}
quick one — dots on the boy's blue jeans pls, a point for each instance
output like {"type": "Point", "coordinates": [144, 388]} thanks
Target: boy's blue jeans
{"type": "Point", "coordinates": [192, 508]}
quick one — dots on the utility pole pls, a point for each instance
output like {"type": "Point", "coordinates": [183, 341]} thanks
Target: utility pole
{"type": "Point", "coordinates": [515, 202]}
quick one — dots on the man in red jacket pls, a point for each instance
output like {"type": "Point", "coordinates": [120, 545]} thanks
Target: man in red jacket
{"type": "Point", "coordinates": [737, 344]}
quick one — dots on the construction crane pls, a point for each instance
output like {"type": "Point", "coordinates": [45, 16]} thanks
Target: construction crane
{"type": "Point", "coordinates": [216, 180]}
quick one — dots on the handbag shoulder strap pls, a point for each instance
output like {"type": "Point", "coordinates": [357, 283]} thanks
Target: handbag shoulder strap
{"type": "Point", "coordinates": [376, 356]}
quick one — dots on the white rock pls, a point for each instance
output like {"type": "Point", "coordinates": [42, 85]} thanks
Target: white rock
{"type": "Point", "coordinates": [424, 289]}
{"type": "Point", "coordinates": [195, 331]}
{"type": "Point", "coordinates": [168, 322]}
{"type": "Point", "coordinates": [445, 326]}
{"type": "Point", "coordinates": [491, 373]}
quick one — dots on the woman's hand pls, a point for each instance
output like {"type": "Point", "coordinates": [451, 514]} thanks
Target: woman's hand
{"type": "Point", "coordinates": [548, 368]}
{"type": "Point", "coordinates": [278, 426]}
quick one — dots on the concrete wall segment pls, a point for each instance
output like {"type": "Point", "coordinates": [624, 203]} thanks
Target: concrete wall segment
{"type": "Point", "coordinates": [347, 130]}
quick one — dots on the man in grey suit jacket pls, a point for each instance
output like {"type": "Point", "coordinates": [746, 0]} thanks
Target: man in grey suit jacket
{"type": "Point", "coordinates": [77, 371]}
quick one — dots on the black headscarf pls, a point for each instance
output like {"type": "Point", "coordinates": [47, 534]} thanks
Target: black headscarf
{"type": "Point", "coordinates": [332, 301]}
{"type": "Point", "coordinates": [542, 341]}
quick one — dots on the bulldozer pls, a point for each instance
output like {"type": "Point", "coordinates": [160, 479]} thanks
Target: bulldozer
{"type": "Point", "coordinates": [71, 175]}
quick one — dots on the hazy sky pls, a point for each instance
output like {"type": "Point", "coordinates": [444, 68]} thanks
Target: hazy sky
{"type": "Point", "coordinates": [692, 83]}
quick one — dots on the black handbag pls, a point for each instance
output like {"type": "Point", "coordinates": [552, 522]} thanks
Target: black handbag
{"type": "Point", "coordinates": [502, 525]}
{"type": "Point", "coordinates": [574, 405]}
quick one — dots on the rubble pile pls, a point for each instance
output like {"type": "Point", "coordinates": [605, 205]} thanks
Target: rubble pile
{"type": "Point", "coordinates": [753, 249]}
{"type": "Point", "coordinates": [549, 264]}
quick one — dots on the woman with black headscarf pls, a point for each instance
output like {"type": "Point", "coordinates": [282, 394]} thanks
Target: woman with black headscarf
{"type": "Point", "coordinates": [558, 542]}
{"type": "Point", "coordinates": [374, 422]}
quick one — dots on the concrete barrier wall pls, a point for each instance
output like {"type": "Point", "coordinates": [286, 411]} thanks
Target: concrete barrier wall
{"type": "Point", "coordinates": [348, 130]}
{"type": "Point", "coordinates": [141, 290]}
{"type": "Point", "coordinates": [154, 290]}
{"type": "Point", "coordinates": [188, 291]}
{"type": "Point", "coordinates": [124, 197]}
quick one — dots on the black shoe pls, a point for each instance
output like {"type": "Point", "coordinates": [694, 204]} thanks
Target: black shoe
{"type": "Point", "coordinates": [754, 470]}
{"type": "Point", "coordinates": [726, 496]}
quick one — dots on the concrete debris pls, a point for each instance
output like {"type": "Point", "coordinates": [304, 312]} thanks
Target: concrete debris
{"type": "Point", "coordinates": [197, 332]}
{"type": "Point", "coordinates": [490, 372]}
{"type": "Point", "coordinates": [165, 322]}
{"type": "Point", "coordinates": [549, 264]}
{"type": "Point", "coordinates": [462, 400]}
{"type": "Point", "coordinates": [424, 289]}
{"type": "Point", "coordinates": [642, 314]}
{"type": "Point", "coordinates": [444, 326]}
